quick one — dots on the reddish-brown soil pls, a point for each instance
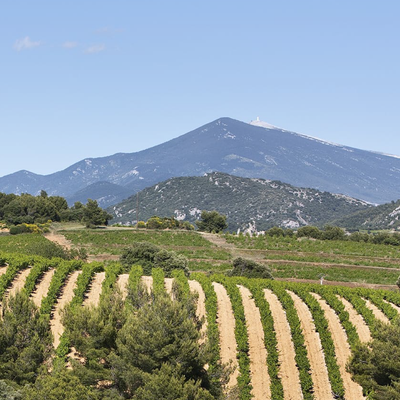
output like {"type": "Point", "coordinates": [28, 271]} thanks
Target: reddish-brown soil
{"type": "Point", "coordinates": [257, 353]}
{"type": "Point", "coordinates": [352, 389]}
{"type": "Point", "coordinates": [226, 328]}
{"type": "Point", "coordinates": [319, 373]}
{"type": "Point", "coordinates": [288, 371]}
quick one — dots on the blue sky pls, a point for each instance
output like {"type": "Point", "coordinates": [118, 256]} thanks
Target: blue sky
{"type": "Point", "coordinates": [92, 78]}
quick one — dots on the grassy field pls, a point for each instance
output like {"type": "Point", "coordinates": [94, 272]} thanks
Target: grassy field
{"type": "Point", "coordinates": [340, 261]}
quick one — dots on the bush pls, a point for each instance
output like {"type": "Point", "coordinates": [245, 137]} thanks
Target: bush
{"type": "Point", "coordinates": [250, 269]}
{"type": "Point", "coordinates": [149, 256]}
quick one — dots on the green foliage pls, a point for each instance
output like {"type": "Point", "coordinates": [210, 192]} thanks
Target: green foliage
{"type": "Point", "coordinates": [160, 332]}
{"type": "Point", "coordinates": [93, 215]}
{"type": "Point", "coordinates": [240, 335]}
{"type": "Point", "coordinates": [33, 245]}
{"type": "Point", "coordinates": [156, 222]}
{"type": "Point", "coordinates": [250, 269]}
{"type": "Point", "coordinates": [309, 231]}
{"type": "Point", "coordinates": [137, 292]}
{"type": "Point", "coordinates": [321, 326]}
{"type": "Point", "coordinates": [16, 263]}
{"type": "Point", "coordinates": [25, 340]}
{"type": "Point", "coordinates": [376, 366]}
{"type": "Point", "coordinates": [39, 268]}
{"type": "Point", "coordinates": [8, 392]}
{"type": "Point", "coordinates": [168, 383]}
{"type": "Point", "coordinates": [61, 385]}
{"type": "Point", "coordinates": [158, 281]}
{"type": "Point", "coordinates": [270, 339]}
{"type": "Point", "coordinates": [149, 255]}
{"type": "Point", "coordinates": [212, 221]}
{"type": "Point", "coordinates": [63, 270]}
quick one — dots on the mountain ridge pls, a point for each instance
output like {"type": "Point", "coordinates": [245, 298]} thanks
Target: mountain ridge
{"type": "Point", "coordinates": [233, 147]}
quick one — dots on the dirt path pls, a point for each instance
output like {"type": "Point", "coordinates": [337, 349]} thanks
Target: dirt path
{"type": "Point", "coordinates": [42, 287]}
{"type": "Point", "coordinates": [377, 312]}
{"type": "Point", "coordinates": [397, 308]}
{"type": "Point", "coordinates": [168, 282]}
{"type": "Point", "coordinates": [3, 270]}
{"type": "Point", "coordinates": [226, 327]}
{"type": "Point", "coordinates": [93, 295]}
{"type": "Point", "coordinates": [319, 373]}
{"type": "Point", "coordinates": [148, 283]}
{"type": "Point", "coordinates": [352, 389]}
{"type": "Point", "coordinates": [18, 283]}
{"type": "Point", "coordinates": [257, 353]}
{"type": "Point", "coordinates": [67, 295]}
{"type": "Point", "coordinates": [59, 239]}
{"type": "Point", "coordinates": [288, 370]}
{"type": "Point", "coordinates": [357, 320]}
{"type": "Point", "coordinates": [195, 287]}
{"type": "Point", "coordinates": [122, 282]}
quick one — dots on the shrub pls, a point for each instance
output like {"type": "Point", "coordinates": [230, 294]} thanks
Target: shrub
{"type": "Point", "coordinates": [250, 269]}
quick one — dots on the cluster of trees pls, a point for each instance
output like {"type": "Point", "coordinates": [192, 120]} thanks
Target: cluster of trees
{"type": "Point", "coordinates": [336, 233]}
{"type": "Point", "coordinates": [28, 209]}
{"type": "Point", "coordinates": [149, 256]}
{"type": "Point", "coordinates": [250, 269]}
{"type": "Point", "coordinates": [146, 348]}
{"type": "Point", "coordinates": [212, 221]}
{"type": "Point", "coordinates": [156, 222]}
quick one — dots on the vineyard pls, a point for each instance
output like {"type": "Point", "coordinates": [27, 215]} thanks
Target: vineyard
{"type": "Point", "coordinates": [283, 340]}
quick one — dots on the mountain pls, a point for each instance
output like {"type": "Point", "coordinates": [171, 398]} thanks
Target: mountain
{"type": "Point", "coordinates": [252, 203]}
{"type": "Point", "coordinates": [256, 150]}
{"type": "Point", "coordinates": [105, 193]}
{"type": "Point", "coordinates": [384, 216]}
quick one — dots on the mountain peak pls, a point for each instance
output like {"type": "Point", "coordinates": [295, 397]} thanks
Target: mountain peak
{"type": "Point", "coordinates": [262, 124]}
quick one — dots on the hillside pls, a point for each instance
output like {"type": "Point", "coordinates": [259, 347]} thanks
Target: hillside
{"type": "Point", "coordinates": [384, 216]}
{"type": "Point", "coordinates": [248, 203]}
{"type": "Point", "coordinates": [227, 145]}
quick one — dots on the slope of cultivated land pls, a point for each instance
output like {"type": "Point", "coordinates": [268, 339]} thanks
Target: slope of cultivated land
{"type": "Point", "coordinates": [168, 282]}
{"type": "Point", "coordinates": [397, 308]}
{"type": "Point", "coordinates": [66, 296]}
{"type": "Point", "coordinates": [3, 270]}
{"type": "Point", "coordinates": [257, 352]}
{"type": "Point", "coordinates": [379, 315]}
{"type": "Point", "coordinates": [42, 287]}
{"type": "Point", "coordinates": [148, 283]}
{"type": "Point", "coordinates": [94, 292]}
{"type": "Point", "coordinates": [342, 349]}
{"type": "Point", "coordinates": [18, 283]}
{"type": "Point", "coordinates": [226, 327]}
{"type": "Point", "coordinates": [195, 287]}
{"type": "Point", "coordinates": [357, 320]}
{"type": "Point", "coordinates": [288, 372]}
{"type": "Point", "coordinates": [122, 283]}
{"type": "Point", "coordinates": [319, 372]}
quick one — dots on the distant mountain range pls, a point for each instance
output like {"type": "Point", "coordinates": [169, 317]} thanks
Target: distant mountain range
{"type": "Point", "coordinates": [255, 150]}
{"type": "Point", "coordinates": [254, 204]}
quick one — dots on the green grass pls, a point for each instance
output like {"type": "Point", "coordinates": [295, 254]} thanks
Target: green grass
{"type": "Point", "coordinates": [110, 241]}
{"type": "Point", "coordinates": [360, 275]}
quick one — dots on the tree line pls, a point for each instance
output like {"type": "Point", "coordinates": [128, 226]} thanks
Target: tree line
{"type": "Point", "coordinates": [28, 209]}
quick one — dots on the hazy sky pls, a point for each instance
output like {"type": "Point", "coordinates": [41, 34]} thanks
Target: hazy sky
{"type": "Point", "coordinates": [92, 78]}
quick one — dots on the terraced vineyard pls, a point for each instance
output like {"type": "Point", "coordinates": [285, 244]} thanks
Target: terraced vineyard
{"type": "Point", "coordinates": [286, 340]}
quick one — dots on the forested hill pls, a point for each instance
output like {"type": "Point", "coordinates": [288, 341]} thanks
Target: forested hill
{"type": "Point", "coordinates": [384, 216]}
{"type": "Point", "coordinates": [246, 202]}
{"type": "Point", "coordinates": [229, 146]}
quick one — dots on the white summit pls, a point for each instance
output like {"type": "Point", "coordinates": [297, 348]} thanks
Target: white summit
{"type": "Point", "coordinates": [262, 124]}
